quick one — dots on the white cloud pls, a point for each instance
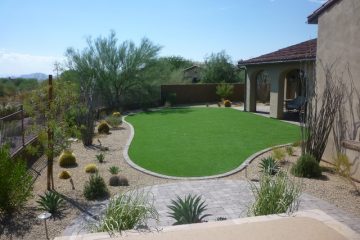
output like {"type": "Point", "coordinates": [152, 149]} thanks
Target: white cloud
{"type": "Point", "coordinates": [318, 1]}
{"type": "Point", "coordinates": [12, 63]}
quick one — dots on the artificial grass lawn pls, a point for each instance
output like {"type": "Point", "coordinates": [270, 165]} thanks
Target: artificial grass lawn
{"type": "Point", "coordinates": [193, 142]}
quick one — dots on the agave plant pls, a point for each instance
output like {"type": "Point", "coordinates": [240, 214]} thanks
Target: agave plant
{"type": "Point", "coordinates": [188, 210]}
{"type": "Point", "coordinates": [51, 202]}
{"type": "Point", "coordinates": [269, 166]}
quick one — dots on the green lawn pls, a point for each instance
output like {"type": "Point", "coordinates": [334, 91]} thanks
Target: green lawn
{"type": "Point", "coordinates": [192, 142]}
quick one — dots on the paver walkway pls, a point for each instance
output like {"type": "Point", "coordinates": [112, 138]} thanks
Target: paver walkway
{"type": "Point", "coordinates": [225, 198]}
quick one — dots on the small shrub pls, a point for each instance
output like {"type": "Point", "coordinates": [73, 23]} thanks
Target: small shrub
{"type": "Point", "coordinates": [274, 195]}
{"type": "Point", "coordinates": [296, 144]}
{"type": "Point", "coordinates": [269, 166]}
{"type": "Point", "coordinates": [103, 127]}
{"type": "Point", "coordinates": [343, 168]}
{"type": "Point", "coordinates": [127, 211]}
{"type": "Point", "coordinates": [306, 166]}
{"type": "Point", "coordinates": [114, 170]}
{"type": "Point", "coordinates": [95, 188]}
{"type": "Point", "coordinates": [224, 90]}
{"type": "Point", "coordinates": [342, 165]}
{"type": "Point", "coordinates": [64, 175]}
{"type": "Point", "coordinates": [67, 159]}
{"type": "Point", "coordinates": [114, 121]}
{"type": "Point", "coordinates": [227, 103]}
{"type": "Point", "coordinates": [51, 202]}
{"type": "Point", "coordinates": [118, 181]}
{"type": "Point", "coordinates": [116, 114]}
{"type": "Point", "coordinates": [91, 168]}
{"type": "Point", "coordinates": [289, 150]}
{"type": "Point", "coordinates": [15, 182]}
{"type": "Point", "coordinates": [278, 154]}
{"type": "Point", "coordinates": [188, 210]}
{"type": "Point", "coordinates": [100, 157]}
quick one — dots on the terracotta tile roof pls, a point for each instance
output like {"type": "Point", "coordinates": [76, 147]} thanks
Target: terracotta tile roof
{"type": "Point", "coordinates": [313, 18]}
{"type": "Point", "coordinates": [298, 52]}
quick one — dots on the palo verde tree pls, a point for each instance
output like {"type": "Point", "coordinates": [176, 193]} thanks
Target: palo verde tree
{"type": "Point", "coordinates": [47, 106]}
{"type": "Point", "coordinates": [108, 71]}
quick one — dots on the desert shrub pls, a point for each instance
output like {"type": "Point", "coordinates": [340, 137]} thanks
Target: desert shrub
{"type": "Point", "coordinates": [51, 202]}
{"type": "Point", "coordinates": [224, 90]}
{"type": "Point", "coordinates": [343, 168]}
{"type": "Point", "coordinates": [127, 211]}
{"type": "Point", "coordinates": [95, 188]}
{"type": "Point", "coordinates": [100, 157]}
{"type": "Point", "coordinates": [342, 165]}
{"type": "Point", "coordinates": [91, 168]}
{"type": "Point", "coordinates": [188, 210]}
{"type": "Point", "coordinates": [289, 150]}
{"type": "Point", "coordinates": [269, 166]}
{"type": "Point", "coordinates": [118, 181]}
{"type": "Point", "coordinates": [67, 159]}
{"type": "Point", "coordinates": [278, 154]}
{"type": "Point", "coordinates": [15, 182]}
{"type": "Point", "coordinates": [227, 103]}
{"type": "Point", "coordinates": [114, 120]}
{"type": "Point", "coordinates": [64, 175]}
{"type": "Point", "coordinates": [296, 144]}
{"type": "Point", "coordinates": [274, 195]}
{"type": "Point", "coordinates": [116, 114]}
{"type": "Point", "coordinates": [306, 166]}
{"type": "Point", "coordinates": [114, 170]}
{"type": "Point", "coordinates": [103, 127]}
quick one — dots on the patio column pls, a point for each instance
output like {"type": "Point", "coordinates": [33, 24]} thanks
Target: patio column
{"type": "Point", "coordinates": [276, 94]}
{"type": "Point", "coordinates": [251, 91]}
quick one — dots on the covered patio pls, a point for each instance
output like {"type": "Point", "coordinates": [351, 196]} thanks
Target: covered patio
{"type": "Point", "coordinates": [279, 77]}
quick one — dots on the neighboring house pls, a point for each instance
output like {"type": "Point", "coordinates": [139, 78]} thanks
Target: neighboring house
{"type": "Point", "coordinates": [192, 74]}
{"type": "Point", "coordinates": [283, 72]}
{"type": "Point", "coordinates": [338, 46]}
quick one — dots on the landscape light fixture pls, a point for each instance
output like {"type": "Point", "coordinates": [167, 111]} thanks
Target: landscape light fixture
{"type": "Point", "coordinates": [44, 216]}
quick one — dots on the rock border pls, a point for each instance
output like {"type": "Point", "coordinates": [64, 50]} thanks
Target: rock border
{"type": "Point", "coordinates": [241, 167]}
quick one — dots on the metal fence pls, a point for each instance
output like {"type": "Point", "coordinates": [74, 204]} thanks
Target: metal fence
{"type": "Point", "coordinates": [16, 130]}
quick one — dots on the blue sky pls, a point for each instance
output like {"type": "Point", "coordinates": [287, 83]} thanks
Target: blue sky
{"type": "Point", "coordinates": [34, 34]}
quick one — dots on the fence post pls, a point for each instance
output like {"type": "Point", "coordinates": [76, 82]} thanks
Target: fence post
{"type": "Point", "coordinates": [22, 125]}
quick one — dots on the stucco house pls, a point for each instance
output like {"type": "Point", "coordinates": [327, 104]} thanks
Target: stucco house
{"type": "Point", "coordinates": [338, 45]}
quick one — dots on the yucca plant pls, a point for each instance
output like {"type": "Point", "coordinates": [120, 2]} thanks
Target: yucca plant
{"type": "Point", "coordinates": [114, 170]}
{"type": "Point", "coordinates": [100, 157]}
{"type": "Point", "coordinates": [51, 202]}
{"type": "Point", "coordinates": [188, 210]}
{"type": "Point", "coordinates": [126, 211]}
{"type": "Point", "coordinates": [269, 166]}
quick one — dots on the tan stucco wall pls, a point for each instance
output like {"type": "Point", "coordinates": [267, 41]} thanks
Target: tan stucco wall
{"type": "Point", "coordinates": [339, 41]}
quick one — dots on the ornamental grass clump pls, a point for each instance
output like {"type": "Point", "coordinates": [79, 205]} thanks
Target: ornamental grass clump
{"type": "Point", "coordinates": [306, 166]}
{"type": "Point", "coordinates": [189, 210]}
{"type": "Point", "coordinates": [278, 154]}
{"type": "Point", "coordinates": [274, 195]}
{"type": "Point", "coordinates": [127, 211]}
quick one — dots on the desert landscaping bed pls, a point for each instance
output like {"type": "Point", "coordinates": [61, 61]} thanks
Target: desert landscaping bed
{"type": "Point", "coordinates": [25, 225]}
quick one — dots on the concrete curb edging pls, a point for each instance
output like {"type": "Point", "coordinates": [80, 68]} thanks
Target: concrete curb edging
{"type": "Point", "coordinates": [141, 169]}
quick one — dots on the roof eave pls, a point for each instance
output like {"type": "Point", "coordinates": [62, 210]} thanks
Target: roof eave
{"type": "Point", "coordinates": [276, 61]}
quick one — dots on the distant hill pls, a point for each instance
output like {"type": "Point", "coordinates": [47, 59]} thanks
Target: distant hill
{"type": "Point", "coordinates": [38, 76]}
